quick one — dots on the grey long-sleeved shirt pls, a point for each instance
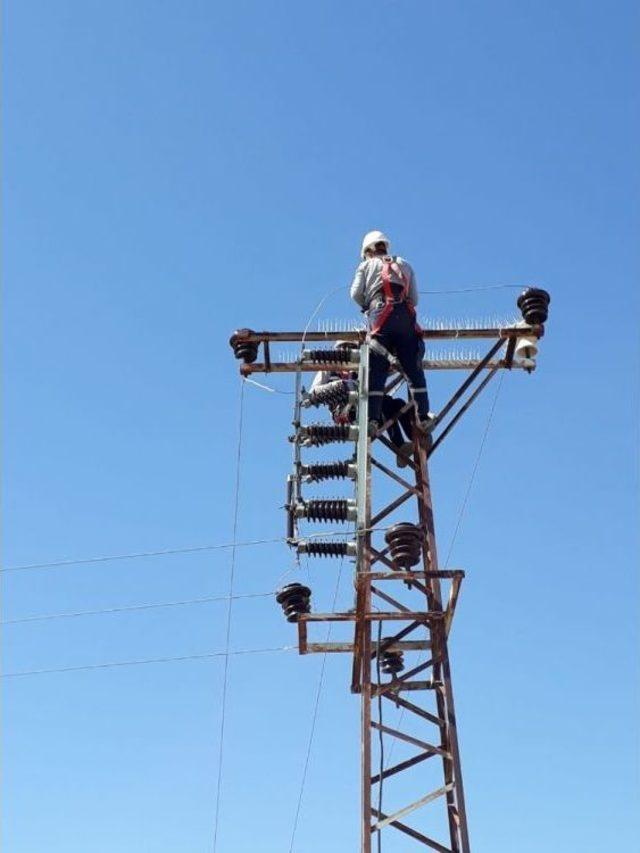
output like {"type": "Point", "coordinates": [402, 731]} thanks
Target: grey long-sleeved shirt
{"type": "Point", "coordinates": [367, 282]}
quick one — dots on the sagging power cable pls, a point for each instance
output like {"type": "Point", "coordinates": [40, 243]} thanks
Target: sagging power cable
{"type": "Point", "coordinates": [167, 552]}
{"type": "Point", "coordinates": [121, 663]}
{"type": "Point", "coordinates": [474, 471]}
{"type": "Point", "coordinates": [127, 608]}
{"type": "Point", "coordinates": [232, 567]}
{"type": "Point", "coordinates": [314, 715]}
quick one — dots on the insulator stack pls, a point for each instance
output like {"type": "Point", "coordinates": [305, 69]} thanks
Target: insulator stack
{"type": "Point", "coordinates": [391, 663]}
{"type": "Point", "coordinates": [318, 434]}
{"type": "Point", "coordinates": [295, 599]}
{"type": "Point", "coordinates": [244, 350]}
{"type": "Point", "coordinates": [333, 393]}
{"type": "Point", "coordinates": [330, 356]}
{"type": "Point", "coordinates": [327, 549]}
{"type": "Point", "coordinates": [405, 544]}
{"type": "Point", "coordinates": [327, 510]}
{"type": "Point", "coordinates": [326, 471]}
{"type": "Point", "coordinates": [534, 305]}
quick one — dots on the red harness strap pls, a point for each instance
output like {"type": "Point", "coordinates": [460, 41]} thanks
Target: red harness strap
{"type": "Point", "coordinates": [389, 264]}
{"type": "Point", "coordinates": [388, 296]}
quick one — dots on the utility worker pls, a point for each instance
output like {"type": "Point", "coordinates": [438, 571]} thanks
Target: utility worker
{"type": "Point", "coordinates": [334, 387]}
{"type": "Point", "coordinates": [384, 286]}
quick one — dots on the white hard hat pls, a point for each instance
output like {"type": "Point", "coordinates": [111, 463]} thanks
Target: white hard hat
{"type": "Point", "coordinates": [371, 238]}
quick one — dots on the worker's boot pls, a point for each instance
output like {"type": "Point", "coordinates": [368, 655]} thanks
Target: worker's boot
{"type": "Point", "coordinates": [426, 425]}
{"type": "Point", "coordinates": [404, 454]}
{"type": "Point", "coordinates": [373, 429]}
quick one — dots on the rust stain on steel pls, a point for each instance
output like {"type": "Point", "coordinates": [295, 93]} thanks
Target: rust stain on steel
{"type": "Point", "coordinates": [393, 687]}
{"type": "Point", "coordinates": [443, 574]}
{"type": "Point", "coordinates": [415, 709]}
{"type": "Point", "coordinates": [389, 599]}
{"type": "Point", "coordinates": [402, 765]}
{"type": "Point", "coordinates": [302, 636]}
{"type": "Point", "coordinates": [413, 833]}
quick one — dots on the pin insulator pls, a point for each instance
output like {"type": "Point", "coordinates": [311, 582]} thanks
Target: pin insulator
{"type": "Point", "coordinates": [327, 549]}
{"type": "Point", "coordinates": [326, 471]}
{"type": "Point", "coordinates": [391, 663]}
{"type": "Point", "coordinates": [330, 356]}
{"type": "Point", "coordinates": [245, 350]}
{"type": "Point", "coordinates": [318, 434]}
{"type": "Point", "coordinates": [295, 599]}
{"type": "Point", "coordinates": [333, 393]}
{"type": "Point", "coordinates": [405, 544]}
{"type": "Point", "coordinates": [326, 509]}
{"type": "Point", "coordinates": [534, 305]}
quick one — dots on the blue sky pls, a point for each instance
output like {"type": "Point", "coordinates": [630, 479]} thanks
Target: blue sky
{"type": "Point", "coordinates": [176, 170]}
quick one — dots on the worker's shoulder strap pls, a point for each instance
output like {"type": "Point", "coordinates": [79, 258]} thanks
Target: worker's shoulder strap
{"type": "Point", "coordinates": [393, 262]}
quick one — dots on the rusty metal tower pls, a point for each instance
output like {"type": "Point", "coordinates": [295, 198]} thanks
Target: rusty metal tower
{"type": "Point", "coordinates": [404, 601]}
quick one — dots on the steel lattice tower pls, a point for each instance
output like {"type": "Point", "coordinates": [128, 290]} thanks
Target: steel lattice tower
{"type": "Point", "coordinates": [404, 601]}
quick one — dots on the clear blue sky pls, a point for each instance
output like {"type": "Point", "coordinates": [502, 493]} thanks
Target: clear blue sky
{"type": "Point", "coordinates": [174, 170]}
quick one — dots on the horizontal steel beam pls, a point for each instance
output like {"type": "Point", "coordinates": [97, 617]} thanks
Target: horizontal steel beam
{"type": "Point", "coordinates": [442, 574]}
{"type": "Point", "coordinates": [399, 646]}
{"type": "Point", "coordinates": [429, 364]}
{"type": "Point", "coordinates": [377, 616]}
{"type": "Point", "coordinates": [398, 686]}
{"type": "Point", "coordinates": [504, 332]}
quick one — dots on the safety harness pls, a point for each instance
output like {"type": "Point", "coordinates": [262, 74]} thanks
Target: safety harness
{"type": "Point", "coordinates": [394, 293]}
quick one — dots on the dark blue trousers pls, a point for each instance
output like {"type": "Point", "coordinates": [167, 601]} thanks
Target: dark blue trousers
{"type": "Point", "coordinates": [399, 337]}
{"type": "Point", "coordinates": [391, 406]}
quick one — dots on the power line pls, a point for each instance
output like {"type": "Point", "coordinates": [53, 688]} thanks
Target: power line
{"type": "Point", "coordinates": [138, 554]}
{"type": "Point", "coordinates": [165, 552]}
{"type": "Point", "coordinates": [41, 617]}
{"type": "Point", "coordinates": [314, 716]}
{"type": "Point", "coordinates": [113, 664]}
{"type": "Point", "coordinates": [475, 468]}
{"type": "Point", "coordinates": [315, 312]}
{"type": "Point", "coordinates": [475, 289]}
{"type": "Point", "coordinates": [232, 568]}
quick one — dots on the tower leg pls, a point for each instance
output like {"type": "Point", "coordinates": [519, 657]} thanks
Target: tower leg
{"type": "Point", "coordinates": [456, 810]}
{"type": "Point", "coordinates": [362, 655]}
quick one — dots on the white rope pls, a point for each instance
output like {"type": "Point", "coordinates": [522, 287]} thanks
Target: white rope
{"type": "Point", "coordinates": [267, 387]}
